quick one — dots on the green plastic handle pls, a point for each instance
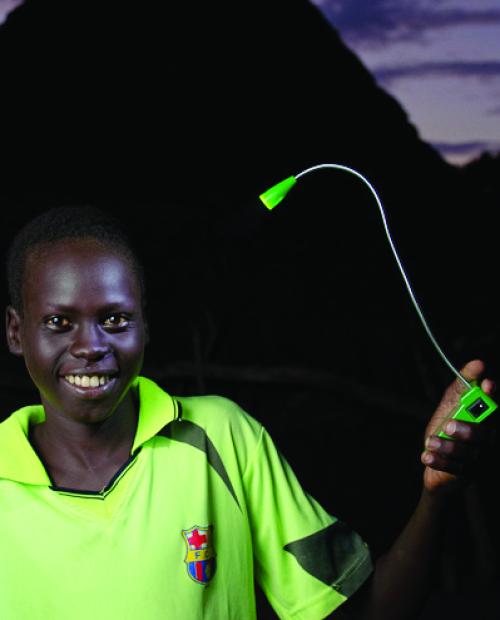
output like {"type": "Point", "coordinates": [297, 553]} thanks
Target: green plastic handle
{"type": "Point", "coordinates": [474, 407]}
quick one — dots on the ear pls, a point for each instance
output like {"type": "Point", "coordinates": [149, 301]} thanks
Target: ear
{"type": "Point", "coordinates": [13, 331]}
{"type": "Point", "coordinates": [145, 321]}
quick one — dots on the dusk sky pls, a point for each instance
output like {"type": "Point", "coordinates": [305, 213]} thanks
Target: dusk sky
{"type": "Point", "coordinates": [439, 58]}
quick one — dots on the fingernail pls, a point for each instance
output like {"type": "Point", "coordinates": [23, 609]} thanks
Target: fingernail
{"type": "Point", "coordinates": [432, 443]}
{"type": "Point", "coordinates": [427, 458]}
{"type": "Point", "coordinates": [450, 428]}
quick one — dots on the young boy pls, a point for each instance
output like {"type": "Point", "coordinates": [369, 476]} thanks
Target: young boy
{"type": "Point", "coordinates": [120, 501]}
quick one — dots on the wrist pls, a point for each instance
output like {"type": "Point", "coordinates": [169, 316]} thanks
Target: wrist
{"type": "Point", "coordinates": [433, 501]}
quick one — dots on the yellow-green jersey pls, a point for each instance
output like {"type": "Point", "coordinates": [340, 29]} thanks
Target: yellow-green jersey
{"type": "Point", "coordinates": [204, 505]}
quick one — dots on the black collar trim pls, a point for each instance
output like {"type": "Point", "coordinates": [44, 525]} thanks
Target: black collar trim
{"type": "Point", "coordinates": [107, 489]}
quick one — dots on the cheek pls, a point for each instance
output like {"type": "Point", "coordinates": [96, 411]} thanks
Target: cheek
{"type": "Point", "coordinates": [131, 348]}
{"type": "Point", "coordinates": [40, 358]}
{"type": "Point", "coordinates": [40, 351]}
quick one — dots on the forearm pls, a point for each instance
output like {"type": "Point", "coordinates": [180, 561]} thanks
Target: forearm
{"type": "Point", "coordinates": [403, 576]}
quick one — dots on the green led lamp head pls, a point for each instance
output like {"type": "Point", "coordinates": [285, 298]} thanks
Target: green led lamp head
{"type": "Point", "coordinates": [474, 405]}
{"type": "Point", "coordinates": [277, 193]}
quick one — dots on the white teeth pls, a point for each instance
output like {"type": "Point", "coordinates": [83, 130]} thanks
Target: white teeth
{"type": "Point", "coordinates": [87, 380]}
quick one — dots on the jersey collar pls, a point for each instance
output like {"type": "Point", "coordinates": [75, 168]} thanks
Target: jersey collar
{"type": "Point", "coordinates": [156, 410]}
{"type": "Point", "coordinates": [20, 463]}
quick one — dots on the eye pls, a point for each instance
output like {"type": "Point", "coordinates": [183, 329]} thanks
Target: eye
{"type": "Point", "coordinates": [116, 321]}
{"type": "Point", "coordinates": [58, 323]}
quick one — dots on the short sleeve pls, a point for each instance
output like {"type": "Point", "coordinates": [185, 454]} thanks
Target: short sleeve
{"type": "Point", "coordinates": [306, 561]}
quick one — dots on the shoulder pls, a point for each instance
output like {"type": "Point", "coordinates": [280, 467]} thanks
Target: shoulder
{"type": "Point", "coordinates": [223, 422]}
{"type": "Point", "coordinates": [17, 423]}
{"type": "Point", "coordinates": [216, 411]}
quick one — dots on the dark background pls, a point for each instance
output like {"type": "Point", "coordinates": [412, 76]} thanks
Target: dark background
{"type": "Point", "coordinates": [176, 119]}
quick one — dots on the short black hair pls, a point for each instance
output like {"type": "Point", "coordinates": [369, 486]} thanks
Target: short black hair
{"type": "Point", "coordinates": [72, 222]}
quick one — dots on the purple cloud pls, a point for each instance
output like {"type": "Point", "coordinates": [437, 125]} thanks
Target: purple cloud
{"type": "Point", "coordinates": [465, 148]}
{"type": "Point", "coordinates": [465, 69]}
{"type": "Point", "coordinates": [378, 22]}
{"type": "Point", "coordinates": [6, 7]}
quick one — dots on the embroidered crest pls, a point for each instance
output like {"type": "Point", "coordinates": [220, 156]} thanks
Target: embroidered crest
{"type": "Point", "coordinates": [200, 555]}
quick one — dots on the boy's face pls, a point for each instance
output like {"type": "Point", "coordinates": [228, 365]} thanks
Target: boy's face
{"type": "Point", "coordinates": [82, 323]}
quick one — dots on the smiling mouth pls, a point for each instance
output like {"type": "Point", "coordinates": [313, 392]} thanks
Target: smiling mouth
{"type": "Point", "coordinates": [90, 387]}
{"type": "Point", "coordinates": [88, 381]}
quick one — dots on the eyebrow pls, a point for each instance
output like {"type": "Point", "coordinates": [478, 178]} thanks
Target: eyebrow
{"type": "Point", "coordinates": [109, 307]}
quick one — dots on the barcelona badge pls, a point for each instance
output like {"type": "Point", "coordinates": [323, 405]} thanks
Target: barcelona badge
{"type": "Point", "coordinates": [200, 555]}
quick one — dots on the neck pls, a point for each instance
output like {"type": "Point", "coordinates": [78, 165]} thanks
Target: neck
{"type": "Point", "coordinates": [69, 444]}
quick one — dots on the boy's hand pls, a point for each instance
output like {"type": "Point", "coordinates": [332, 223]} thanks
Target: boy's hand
{"type": "Point", "coordinates": [449, 461]}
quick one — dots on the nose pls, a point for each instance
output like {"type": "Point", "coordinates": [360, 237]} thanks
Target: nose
{"type": "Point", "coordinates": [89, 342]}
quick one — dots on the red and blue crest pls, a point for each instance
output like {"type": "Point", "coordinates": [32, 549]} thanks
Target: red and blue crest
{"type": "Point", "coordinates": [200, 555]}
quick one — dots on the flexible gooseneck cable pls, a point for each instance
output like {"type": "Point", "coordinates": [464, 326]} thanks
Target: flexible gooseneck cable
{"type": "Point", "coordinates": [398, 261]}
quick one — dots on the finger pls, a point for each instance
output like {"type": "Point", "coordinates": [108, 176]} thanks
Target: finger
{"type": "Point", "coordinates": [456, 450]}
{"type": "Point", "coordinates": [441, 462]}
{"type": "Point", "coordinates": [473, 370]}
{"type": "Point", "coordinates": [488, 386]}
{"type": "Point", "coordinates": [465, 432]}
